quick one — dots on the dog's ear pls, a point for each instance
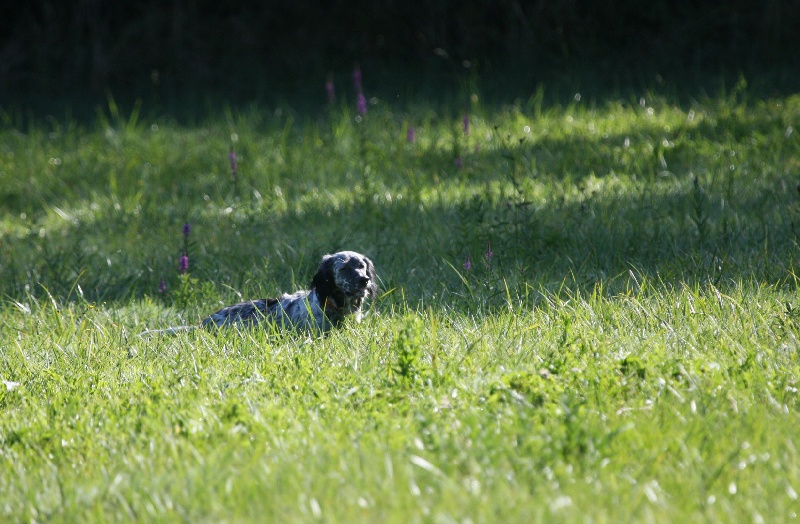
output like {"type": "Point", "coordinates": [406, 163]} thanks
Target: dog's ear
{"type": "Point", "coordinates": [372, 288]}
{"type": "Point", "coordinates": [324, 282]}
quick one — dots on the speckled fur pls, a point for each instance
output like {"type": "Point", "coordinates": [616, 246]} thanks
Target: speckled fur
{"type": "Point", "coordinates": [338, 290]}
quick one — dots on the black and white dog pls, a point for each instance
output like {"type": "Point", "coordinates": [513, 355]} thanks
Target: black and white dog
{"type": "Point", "coordinates": [338, 290]}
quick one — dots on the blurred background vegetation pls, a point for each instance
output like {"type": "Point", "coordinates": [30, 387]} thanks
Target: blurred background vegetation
{"type": "Point", "coordinates": [183, 55]}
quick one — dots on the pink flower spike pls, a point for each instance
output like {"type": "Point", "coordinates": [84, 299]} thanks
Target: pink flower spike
{"type": "Point", "coordinates": [465, 122]}
{"type": "Point", "coordinates": [330, 89]}
{"type": "Point", "coordinates": [411, 136]}
{"type": "Point", "coordinates": [488, 255]}
{"type": "Point", "coordinates": [459, 162]}
{"type": "Point", "coordinates": [362, 104]}
{"type": "Point", "coordinates": [233, 161]}
{"type": "Point", "coordinates": [162, 287]}
{"type": "Point", "coordinates": [183, 264]}
{"type": "Point", "coordinates": [468, 263]}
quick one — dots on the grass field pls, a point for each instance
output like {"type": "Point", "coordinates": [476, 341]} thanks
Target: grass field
{"type": "Point", "coordinates": [622, 345]}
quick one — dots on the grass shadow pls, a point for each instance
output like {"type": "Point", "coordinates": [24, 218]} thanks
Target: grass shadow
{"type": "Point", "coordinates": [583, 195]}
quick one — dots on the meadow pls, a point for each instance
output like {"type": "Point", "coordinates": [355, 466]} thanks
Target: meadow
{"type": "Point", "coordinates": [588, 312]}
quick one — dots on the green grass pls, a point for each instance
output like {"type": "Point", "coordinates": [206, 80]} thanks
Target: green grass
{"type": "Point", "coordinates": [629, 353]}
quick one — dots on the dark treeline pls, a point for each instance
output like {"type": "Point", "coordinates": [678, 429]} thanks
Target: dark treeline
{"type": "Point", "coordinates": [159, 50]}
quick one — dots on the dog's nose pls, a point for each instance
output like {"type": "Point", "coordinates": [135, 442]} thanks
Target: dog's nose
{"type": "Point", "coordinates": [363, 281]}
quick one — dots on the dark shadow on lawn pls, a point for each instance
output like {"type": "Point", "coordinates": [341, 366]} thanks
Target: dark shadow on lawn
{"type": "Point", "coordinates": [686, 218]}
{"type": "Point", "coordinates": [679, 236]}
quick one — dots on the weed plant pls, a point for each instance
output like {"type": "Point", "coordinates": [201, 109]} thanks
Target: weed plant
{"type": "Point", "coordinates": [587, 313]}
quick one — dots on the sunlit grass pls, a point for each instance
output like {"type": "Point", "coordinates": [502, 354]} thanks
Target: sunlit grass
{"type": "Point", "coordinates": [628, 353]}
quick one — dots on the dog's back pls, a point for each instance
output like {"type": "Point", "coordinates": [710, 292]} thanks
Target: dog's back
{"type": "Point", "coordinates": [341, 284]}
{"type": "Point", "coordinates": [300, 310]}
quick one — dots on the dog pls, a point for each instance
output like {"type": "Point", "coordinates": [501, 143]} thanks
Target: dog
{"type": "Point", "coordinates": [338, 290]}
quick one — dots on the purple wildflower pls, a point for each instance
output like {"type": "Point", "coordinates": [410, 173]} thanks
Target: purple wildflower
{"type": "Point", "coordinates": [330, 89]}
{"type": "Point", "coordinates": [468, 263]}
{"type": "Point", "coordinates": [233, 161]}
{"type": "Point", "coordinates": [465, 122]}
{"type": "Point", "coordinates": [459, 162]}
{"type": "Point", "coordinates": [183, 265]}
{"type": "Point", "coordinates": [357, 79]}
{"type": "Point", "coordinates": [488, 255]}
{"type": "Point", "coordinates": [362, 104]}
{"type": "Point", "coordinates": [162, 287]}
{"type": "Point", "coordinates": [411, 135]}
{"type": "Point", "coordinates": [186, 230]}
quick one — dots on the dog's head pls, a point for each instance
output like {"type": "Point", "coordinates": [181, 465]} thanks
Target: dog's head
{"type": "Point", "coordinates": [347, 277]}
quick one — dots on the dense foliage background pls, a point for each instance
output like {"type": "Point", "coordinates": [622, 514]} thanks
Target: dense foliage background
{"type": "Point", "coordinates": [162, 51]}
